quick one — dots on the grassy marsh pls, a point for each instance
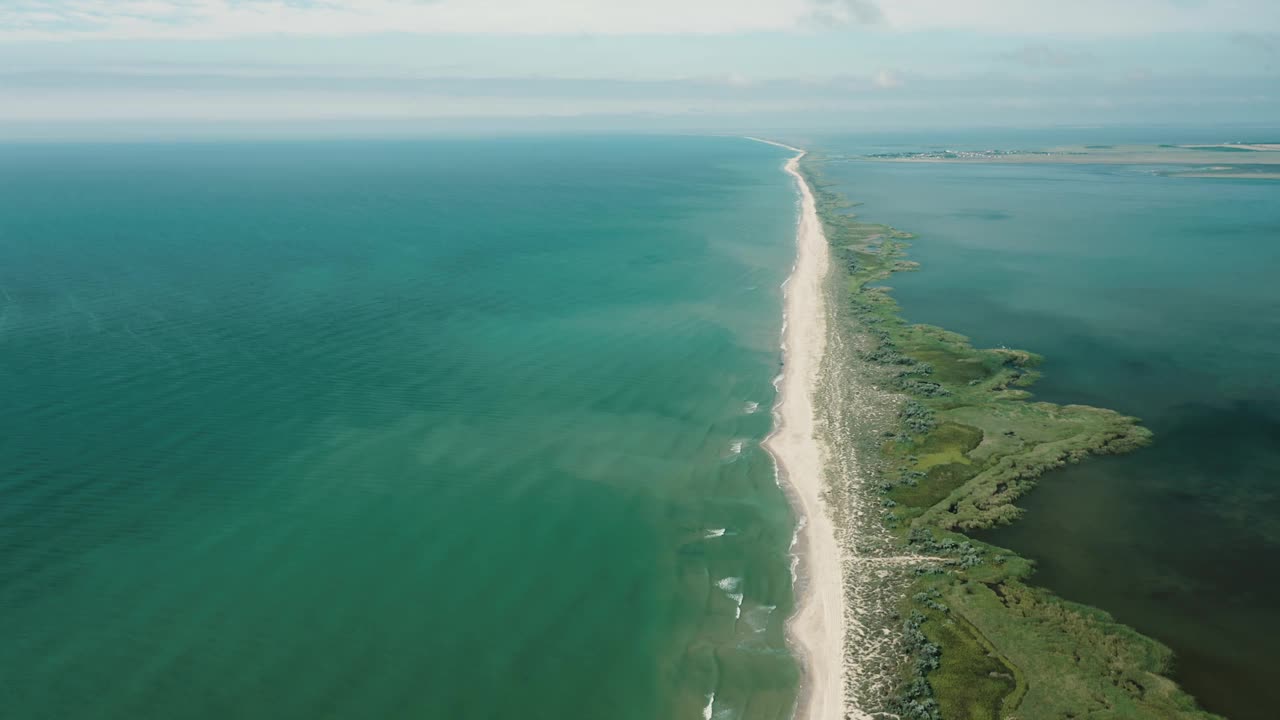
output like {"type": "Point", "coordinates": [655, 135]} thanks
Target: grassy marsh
{"type": "Point", "coordinates": [980, 641]}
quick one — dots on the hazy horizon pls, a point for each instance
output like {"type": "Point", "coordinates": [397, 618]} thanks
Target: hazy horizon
{"type": "Point", "coordinates": [86, 69]}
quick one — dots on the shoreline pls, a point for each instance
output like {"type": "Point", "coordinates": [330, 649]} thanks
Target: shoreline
{"type": "Point", "coordinates": [816, 629]}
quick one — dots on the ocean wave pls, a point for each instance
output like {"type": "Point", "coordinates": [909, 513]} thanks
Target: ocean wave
{"type": "Point", "coordinates": [730, 586]}
{"type": "Point", "coordinates": [795, 540]}
{"type": "Point", "coordinates": [714, 533]}
{"type": "Point", "coordinates": [750, 408]}
{"type": "Point", "coordinates": [758, 618]}
{"type": "Point", "coordinates": [710, 707]}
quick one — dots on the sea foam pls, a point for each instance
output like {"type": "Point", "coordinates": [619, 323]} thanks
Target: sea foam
{"type": "Point", "coordinates": [758, 618]}
{"type": "Point", "coordinates": [795, 540]}
{"type": "Point", "coordinates": [730, 587]}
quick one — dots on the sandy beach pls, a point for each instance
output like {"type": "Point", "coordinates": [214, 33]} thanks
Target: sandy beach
{"type": "Point", "coordinates": [817, 628]}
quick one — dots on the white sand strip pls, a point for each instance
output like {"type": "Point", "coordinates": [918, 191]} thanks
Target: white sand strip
{"type": "Point", "coordinates": [817, 629]}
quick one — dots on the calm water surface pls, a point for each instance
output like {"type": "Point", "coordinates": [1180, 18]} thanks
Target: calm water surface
{"type": "Point", "coordinates": [368, 430]}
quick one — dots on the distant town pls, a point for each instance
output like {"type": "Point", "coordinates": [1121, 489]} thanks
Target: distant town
{"type": "Point", "coordinates": [956, 154]}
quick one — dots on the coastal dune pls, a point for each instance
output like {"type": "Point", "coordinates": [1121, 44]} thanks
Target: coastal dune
{"type": "Point", "coordinates": [817, 628]}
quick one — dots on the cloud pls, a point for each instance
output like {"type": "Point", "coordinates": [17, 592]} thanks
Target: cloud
{"type": "Point", "coordinates": [840, 12]}
{"type": "Point", "coordinates": [199, 19]}
{"type": "Point", "coordinates": [203, 19]}
{"type": "Point", "coordinates": [1087, 17]}
{"type": "Point", "coordinates": [1045, 56]}
{"type": "Point", "coordinates": [1268, 44]}
{"type": "Point", "coordinates": [886, 79]}
{"type": "Point", "coordinates": [86, 103]}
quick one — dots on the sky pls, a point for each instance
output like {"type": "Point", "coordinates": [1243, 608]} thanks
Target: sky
{"type": "Point", "coordinates": [155, 67]}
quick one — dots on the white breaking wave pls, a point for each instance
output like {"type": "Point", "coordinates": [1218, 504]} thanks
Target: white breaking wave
{"type": "Point", "coordinates": [730, 587]}
{"type": "Point", "coordinates": [714, 533]}
{"type": "Point", "coordinates": [750, 408]}
{"type": "Point", "coordinates": [711, 703]}
{"type": "Point", "coordinates": [795, 540]}
{"type": "Point", "coordinates": [758, 618]}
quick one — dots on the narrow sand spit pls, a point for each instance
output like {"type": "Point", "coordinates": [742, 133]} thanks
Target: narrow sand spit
{"type": "Point", "coordinates": [817, 629]}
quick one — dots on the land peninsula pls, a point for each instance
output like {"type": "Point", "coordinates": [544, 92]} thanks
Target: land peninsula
{"type": "Point", "coordinates": [816, 630]}
{"type": "Point", "coordinates": [924, 438]}
{"type": "Point", "coordinates": [1247, 160]}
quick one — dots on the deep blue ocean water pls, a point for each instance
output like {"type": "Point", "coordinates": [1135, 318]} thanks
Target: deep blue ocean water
{"type": "Point", "coordinates": [1154, 296]}
{"type": "Point", "coordinates": [392, 429]}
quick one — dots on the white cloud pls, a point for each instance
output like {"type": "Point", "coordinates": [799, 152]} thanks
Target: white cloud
{"type": "Point", "coordinates": [886, 79]}
{"type": "Point", "coordinates": [1268, 44]}
{"type": "Point", "coordinates": [182, 106]}
{"type": "Point", "coordinates": [1045, 56]}
{"type": "Point", "coordinates": [83, 104]}
{"type": "Point", "coordinates": [197, 19]}
{"type": "Point", "coordinates": [141, 19]}
{"type": "Point", "coordinates": [846, 11]}
{"type": "Point", "coordinates": [1082, 16]}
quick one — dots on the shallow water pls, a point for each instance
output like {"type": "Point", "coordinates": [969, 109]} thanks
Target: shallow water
{"type": "Point", "coordinates": [1153, 296]}
{"type": "Point", "coordinates": [355, 430]}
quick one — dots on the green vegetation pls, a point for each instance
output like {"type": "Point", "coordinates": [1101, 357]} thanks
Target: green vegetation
{"type": "Point", "coordinates": [980, 642]}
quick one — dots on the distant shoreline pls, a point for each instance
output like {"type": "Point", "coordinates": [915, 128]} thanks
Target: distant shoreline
{"type": "Point", "coordinates": [1256, 161]}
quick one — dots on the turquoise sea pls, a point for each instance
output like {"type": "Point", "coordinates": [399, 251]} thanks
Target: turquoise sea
{"type": "Point", "coordinates": [1151, 295]}
{"type": "Point", "coordinates": [392, 429]}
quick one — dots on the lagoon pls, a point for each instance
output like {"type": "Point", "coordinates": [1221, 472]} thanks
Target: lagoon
{"type": "Point", "coordinates": [1150, 295]}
